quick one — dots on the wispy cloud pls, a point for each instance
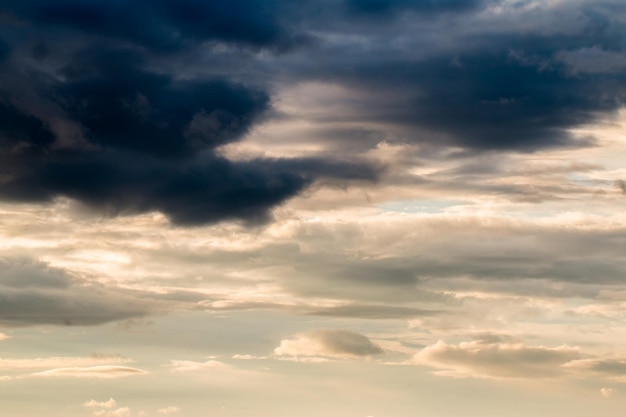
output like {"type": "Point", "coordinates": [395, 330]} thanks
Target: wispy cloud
{"type": "Point", "coordinates": [193, 366]}
{"type": "Point", "coordinates": [102, 371]}
{"type": "Point", "coordinates": [168, 410]}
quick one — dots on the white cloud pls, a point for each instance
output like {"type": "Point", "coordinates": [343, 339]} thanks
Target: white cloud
{"type": "Point", "coordinates": [191, 366]}
{"type": "Point", "coordinates": [120, 412]}
{"type": "Point", "coordinates": [169, 410]}
{"type": "Point", "coordinates": [110, 403]}
{"type": "Point", "coordinates": [92, 372]}
{"type": "Point", "coordinates": [247, 357]}
{"type": "Point", "coordinates": [328, 343]}
{"type": "Point", "coordinates": [496, 359]}
{"type": "Point", "coordinates": [61, 361]}
{"type": "Point", "coordinates": [607, 392]}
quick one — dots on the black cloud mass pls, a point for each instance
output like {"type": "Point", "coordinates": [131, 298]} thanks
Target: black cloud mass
{"type": "Point", "coordinates": [125, 105]}
{"type": "Point", "coordinates": [85, 114]}
{"type": "Point", "coordinates": [164, 24]}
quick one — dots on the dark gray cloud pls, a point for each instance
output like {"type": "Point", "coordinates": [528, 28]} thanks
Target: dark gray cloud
{"type": "Point", "coordinates": [479, 81]}
{"type": "Point", "coordinates": [114, 183]}
{"type": "Point", "coordinates": [485, 99]}
{"type": "Point", "coordinates": [378, 7]}
{"type": "Point", "coordinates": [163, 25]}
{"type": "Point", "coordinates": [124, 106]}
{"type": "Point", "coordinates": [32, 293]}
{"type": "Point", "coordinates": [93, 119]}
{"type": "Point", "coordinates": [4, 50]}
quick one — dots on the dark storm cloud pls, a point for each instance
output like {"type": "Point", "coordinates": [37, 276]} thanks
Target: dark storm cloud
{"type": "Point", "coordinates": [209, 190]}
{"type": "Point", "coordinates": [145, 135]}
{"type": "Point", "coordinates": [4, 51]}
{"type": "Point", "coordinates": [482, 81]}
{"type": "Point", "coordinates": [95, 120]}
{"type": "Point", "coordinates": [125, 107]}
{"type": "Point", "coordinates": [164, 24]}
{"type": "Point", "coordinates": [494, 102]}
{"type": "Point", "coordinates": [376, 7]}
{"type": "Point", "coordinates": [17, 127]}
{"type": "Point", "coordinates": [486, 99]}
{"type": "Point", "coordinates": [120, 106]}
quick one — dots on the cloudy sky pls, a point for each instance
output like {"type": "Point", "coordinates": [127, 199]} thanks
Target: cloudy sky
{"type": "Point", "coordinates": [338, 208]}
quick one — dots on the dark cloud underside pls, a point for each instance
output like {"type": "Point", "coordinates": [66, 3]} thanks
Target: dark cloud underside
{"type": "Point", "coordinates": [32, 293]}
{"type": "Point", "coordinates": [149, 142]}
{"type": "Point", "coordinates": [123, 105]}
{"type": "Point", "coordinates": [163, 24]}
{"type": "Point", "coordinates": [376, 7]}
{"type": "Point", "coordinates": [86, 114]}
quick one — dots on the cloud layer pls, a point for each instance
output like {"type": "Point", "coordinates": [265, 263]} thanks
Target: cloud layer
{"type": "Point", "coordinates": [34, 294]}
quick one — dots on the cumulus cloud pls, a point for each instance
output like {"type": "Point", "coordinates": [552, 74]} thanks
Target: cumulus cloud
{"type": "Point", "coordinates": [328, 343]}
{"type": "Point", "coordinates": [495, 359]}
{"type": "Point", "coordinates": [103, 371]}
{"type": "Point", "coordinates": [119, 412]}
{"type": "Point", "coordinates": [110, 403]}
{"type": "Point", "coordinates": [107, 408]}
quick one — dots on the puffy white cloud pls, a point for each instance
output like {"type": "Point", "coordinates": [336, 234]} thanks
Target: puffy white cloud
{"type": "Point", "coordinates": [120, 412]}
{"type": "Point", "coordinates": [328, 343]}
{"type": "Point", "coordinates": [110, 403]}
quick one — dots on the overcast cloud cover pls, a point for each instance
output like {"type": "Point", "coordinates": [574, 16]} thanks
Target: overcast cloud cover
{"type": "Point", "coordinates": [329, 207]}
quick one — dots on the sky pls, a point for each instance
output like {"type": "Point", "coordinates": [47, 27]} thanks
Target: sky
{"type": "Point", "coordinates": [338, 208]}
